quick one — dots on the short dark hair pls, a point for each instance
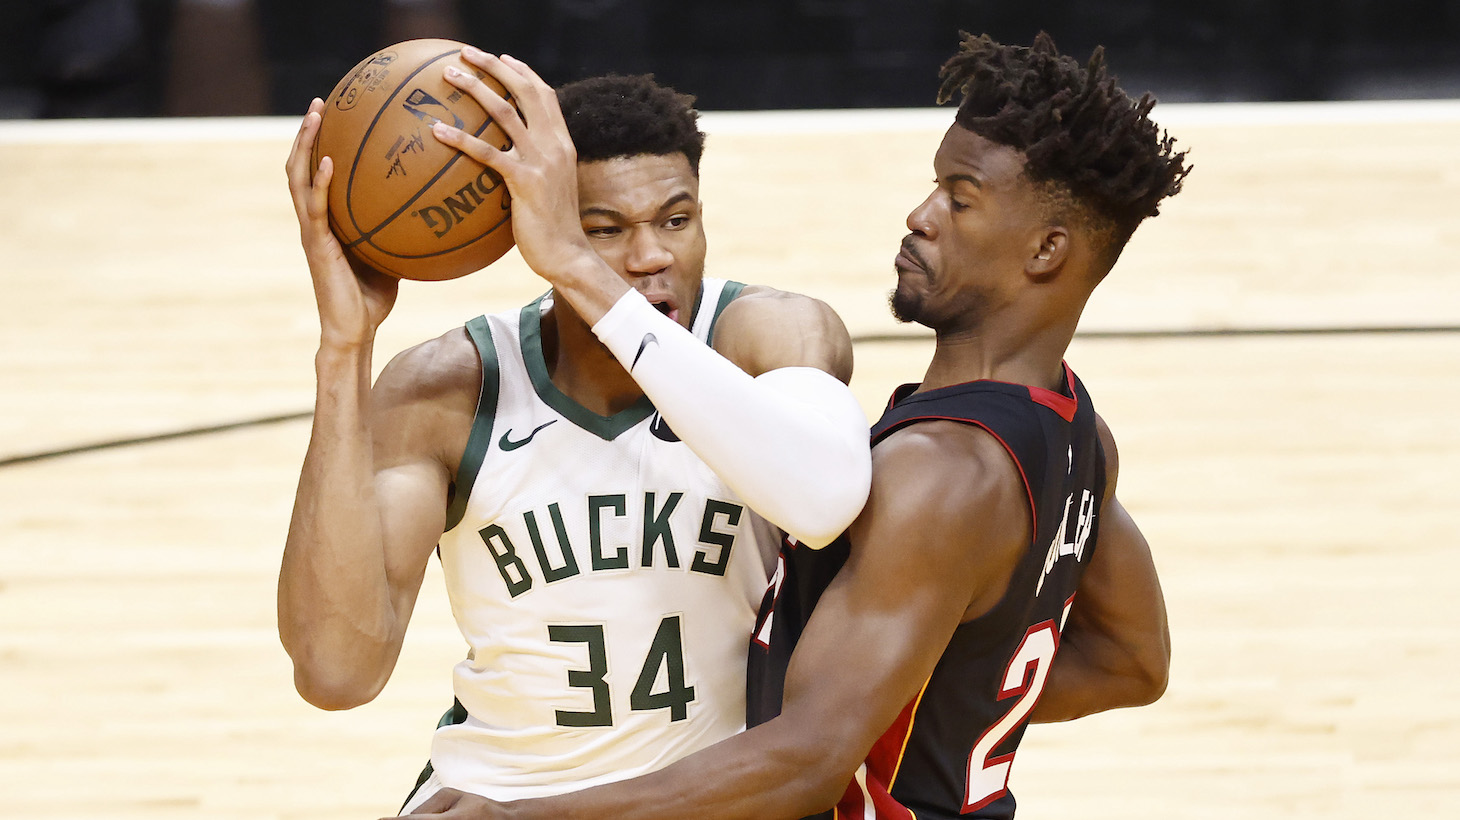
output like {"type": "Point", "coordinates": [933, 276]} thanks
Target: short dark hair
{"type": "Point", "coordinates": [1081, 135]}
{"type": "Point", "coordinates": [617, 116]}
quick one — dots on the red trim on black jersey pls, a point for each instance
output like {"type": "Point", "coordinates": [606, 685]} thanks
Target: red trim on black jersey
{"type": "Point", "coordinates": [773, 591]}
{"type": "Point", "coordinates": [1028, 491]}
{"type": "Point", "coordinates": [1058, 402]}
{"type": "Point", "coordinates": [1061, 404]}
{"type": "Point", "coordinates": [853, 804]}
{"type": "Point", "coordinates": [886, 753]}
{"type": "Point", "coordinates": [879, 770]}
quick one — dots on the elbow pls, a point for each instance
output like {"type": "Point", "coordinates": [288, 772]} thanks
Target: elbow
{"type": "Point", "coordinates": [331, 682]}
{"type": "Point", "coordinates": [1146, 688]}
{"type": "Point", "coordinates": [1157, 679]}
{"type": "Point", "coordinates": [842, 495]}
{"type": "Point", "coordinates": [332, 691]}
{"type": "Point", "coordinates": [1152, 675]}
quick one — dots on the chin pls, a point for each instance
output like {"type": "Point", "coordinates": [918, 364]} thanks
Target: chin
{"type": "Point", "coordinates": [906, 307]}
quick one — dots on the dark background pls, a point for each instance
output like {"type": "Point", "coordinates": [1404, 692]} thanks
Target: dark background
{"type": "Point", "coordinates": [130, 58]}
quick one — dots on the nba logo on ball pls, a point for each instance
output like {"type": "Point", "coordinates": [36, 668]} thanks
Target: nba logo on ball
{"type": "Point", "coordinates": [400, 200]}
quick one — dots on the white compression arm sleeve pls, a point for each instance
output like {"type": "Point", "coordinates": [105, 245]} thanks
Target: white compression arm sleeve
{"type": "Point", "coordinates": [792, 442]}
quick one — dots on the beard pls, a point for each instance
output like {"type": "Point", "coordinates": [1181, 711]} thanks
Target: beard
{"type": "Point", "coordinates": [905, 301]}
{"type": "Point", "coordinates": [913, 305]}
{"type": "Point", "coordinates": [906, 306]}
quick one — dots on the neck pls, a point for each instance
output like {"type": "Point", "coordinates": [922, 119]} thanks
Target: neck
{"type": "Point", "coordinates": [1034, 357]}
{"type": "Point", "coordinates": [581, 367]}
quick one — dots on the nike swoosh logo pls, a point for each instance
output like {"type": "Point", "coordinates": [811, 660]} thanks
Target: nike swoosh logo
{"type": "Point", "coordinates": [508, 445]}
{"type": "Point", "coordinates": [661, 430]}
{"type": "Point", "coordinates": [643, 343]}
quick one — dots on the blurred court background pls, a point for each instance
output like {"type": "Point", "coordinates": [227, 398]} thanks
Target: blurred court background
{"type": "Point", "coordinates": [1278, 353]}
{"type": "Point", "coordinates": [123, 58]}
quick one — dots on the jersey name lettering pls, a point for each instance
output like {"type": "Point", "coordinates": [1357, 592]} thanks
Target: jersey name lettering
{"type": "Point", "coordinates": [1059, 547]}
{"type": "Point", "coordinates": [552, 556]}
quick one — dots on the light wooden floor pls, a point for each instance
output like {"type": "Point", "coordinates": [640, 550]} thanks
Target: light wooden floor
{"type": "Point", "coordinates": [1299, 490]}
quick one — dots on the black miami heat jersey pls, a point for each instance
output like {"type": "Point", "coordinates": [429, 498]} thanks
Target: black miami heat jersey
{"type": "Point", "coordinates": [949, 752]}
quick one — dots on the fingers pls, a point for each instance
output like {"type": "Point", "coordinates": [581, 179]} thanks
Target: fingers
{"type": "Point", "coordinates": [304, 140]}
{"type": "Point", "coordinates": [498, 109]}
{"type": "Point", "coordinates": [297, 167]}
{"type": "Point", "coordinates": [436, 804]}
{"type": "Point", "coordinates": [308, 128]}
{"type": "Point", "coordinates": [532, 93]}
{"type": "Point", "coordinates": [534, 102]}
{"type": "Point", "coordinates": [319, 192]}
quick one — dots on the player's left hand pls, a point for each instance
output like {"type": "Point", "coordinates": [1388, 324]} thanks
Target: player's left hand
{"type": "Point", "coordinates": [540, 165]}
{"type": "Point", "coordinates": [450, 804]}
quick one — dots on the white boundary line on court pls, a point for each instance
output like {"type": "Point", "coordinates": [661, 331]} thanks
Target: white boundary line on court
{"type": "Point", "coordinates": [874, 120]}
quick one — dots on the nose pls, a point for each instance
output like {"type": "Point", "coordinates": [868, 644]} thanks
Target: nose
{"type": "Point", "coordinates": [920, 219]}
{"type": "Point", "coordinates": [647, 254]}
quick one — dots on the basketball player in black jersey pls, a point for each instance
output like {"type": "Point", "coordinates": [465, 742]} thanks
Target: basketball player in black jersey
{"type": "Point", "coordinates": [993, 579]}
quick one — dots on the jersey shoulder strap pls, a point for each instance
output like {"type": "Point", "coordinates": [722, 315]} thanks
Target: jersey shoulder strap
{"type": "Point", "coordinates": [480, 331]}
{"type": "Point", "coordinates": [715, 296]}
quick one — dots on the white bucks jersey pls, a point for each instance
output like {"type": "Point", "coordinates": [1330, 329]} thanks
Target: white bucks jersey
{"type": "Point", "coordinates": [605, 579]}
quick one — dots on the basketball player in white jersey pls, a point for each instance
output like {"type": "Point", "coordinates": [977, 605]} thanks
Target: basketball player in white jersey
{"type": "Point", "coordinates": [604, 470]}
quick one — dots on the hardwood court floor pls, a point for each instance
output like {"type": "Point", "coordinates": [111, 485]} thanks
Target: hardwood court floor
{"type": "Point", "coordinates": [1299, 490]}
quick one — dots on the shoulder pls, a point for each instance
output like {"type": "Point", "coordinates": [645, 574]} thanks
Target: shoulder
{"type": "Point", "coordinates": [765, 328]}
{"type": "Point", "coordinates": [959, 472]}
{"type": "Point", "coordinates": [948, 504]}
{"type": "Point", "coordinates": [1112, 455]}
{"type": "Point", "coordinates": [436, 369]}
{"type": "Point", "coordinates": [426, 397]}
{"type": "Point", "coordinates": [760, 303]}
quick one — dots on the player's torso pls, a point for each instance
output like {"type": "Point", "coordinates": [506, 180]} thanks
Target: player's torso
{"type": "Point", "coordinates": [604, 578]}
{"type": "Point", "coordinates": [949, 753]}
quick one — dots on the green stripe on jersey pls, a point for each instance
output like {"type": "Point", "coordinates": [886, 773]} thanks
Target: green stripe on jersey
{"type": "Point", "coordinates": [481, 428]}
{"type": "Point", "coordinates": [607, 428]}
{"type": "Point", "coordinates": [728, 293]}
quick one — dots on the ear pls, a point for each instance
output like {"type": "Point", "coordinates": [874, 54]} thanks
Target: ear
{"type": "Point", "coordinates": [1051, 251]}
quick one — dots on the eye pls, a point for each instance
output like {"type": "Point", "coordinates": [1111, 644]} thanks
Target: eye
{"type": "Point", "coordinates": [953, 204]}
{"type": "Point", "coordinates": [602, 232]}
{"type": "Point", "coordinates": [677, 222]}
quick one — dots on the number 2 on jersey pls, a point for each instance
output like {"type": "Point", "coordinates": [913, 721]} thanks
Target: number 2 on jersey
{"type": "Point", "coordinates": [666, 652]}
{"type": "Point", "coordinates": [988, 776]}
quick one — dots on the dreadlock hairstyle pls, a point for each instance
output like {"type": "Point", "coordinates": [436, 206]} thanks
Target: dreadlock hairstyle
{"type": "Point", "coordinates": [615, 116]}
{"type": "Point", "coordinates": [1085, 142]}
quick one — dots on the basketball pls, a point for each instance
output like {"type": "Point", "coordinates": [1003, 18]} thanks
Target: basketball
{"type": "Point", "coordinates": [401, 201]}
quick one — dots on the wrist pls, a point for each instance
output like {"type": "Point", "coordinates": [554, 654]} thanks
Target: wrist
{"type": "Point", "coordinates": [336, 354]}
{"type": "Point", "coordinates": [586, 282]}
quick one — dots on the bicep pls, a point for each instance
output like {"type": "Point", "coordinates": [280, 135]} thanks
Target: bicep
{"type": "Point", "coordinates": [923, 549]}
{"type": "Point", "coordinates": [872, 641]}
{"type": "Point", "coordinates": [1120, 593]}
{"type": "Point", "coordinates": [412, 519]}
{"type": "Point", "coordinates": [413, 426]}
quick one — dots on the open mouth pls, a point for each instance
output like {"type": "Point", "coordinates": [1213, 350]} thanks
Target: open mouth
{"type": "Point", "coordinates": [664, 307]}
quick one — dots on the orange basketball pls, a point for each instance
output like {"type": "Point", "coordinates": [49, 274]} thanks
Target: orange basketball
{"type": "Point", "coordinates": [400, 200]}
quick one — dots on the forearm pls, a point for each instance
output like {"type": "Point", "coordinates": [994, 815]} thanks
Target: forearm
{"type": "Point", "coordinates": [1092, 674]}
{"type": "Point", "coordinates": [752, 776]}
{"type": "Point", "coordinates": [792, 442]}
{"type": "Point", "coordinates": [335, 613]}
